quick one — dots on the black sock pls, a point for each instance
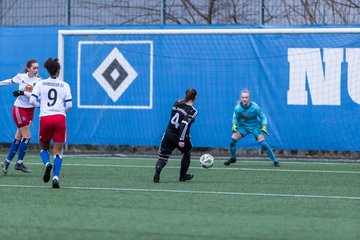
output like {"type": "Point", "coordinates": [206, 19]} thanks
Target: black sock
{"type": "Point", "coordinates": [185, 163]}
{"type": "Point", "coordinates": [160, 164]}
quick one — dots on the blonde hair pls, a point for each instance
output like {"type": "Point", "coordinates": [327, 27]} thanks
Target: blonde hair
{"type": "Point", "coordinates": [245, 90]}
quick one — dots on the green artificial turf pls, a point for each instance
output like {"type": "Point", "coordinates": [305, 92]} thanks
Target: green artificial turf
{"type": "Point", "coordinates": [115, 198]}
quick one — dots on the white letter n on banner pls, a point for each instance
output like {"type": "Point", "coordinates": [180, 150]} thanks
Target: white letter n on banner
{"type": "Point", "coordinates": [306, 65]}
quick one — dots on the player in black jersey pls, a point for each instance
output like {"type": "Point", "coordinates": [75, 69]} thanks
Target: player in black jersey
{"type": "Point", "coordinates": [177, 135]}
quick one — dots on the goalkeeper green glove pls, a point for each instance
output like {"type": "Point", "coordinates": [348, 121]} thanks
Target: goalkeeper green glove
{"type": "Point", "coordinates": [263, 129]}
{"type": "Point", "coordinates": [234, 128]}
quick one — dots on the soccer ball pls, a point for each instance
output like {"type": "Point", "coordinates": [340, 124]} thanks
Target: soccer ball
{"type": "Point", "coordinates": [207, 161]}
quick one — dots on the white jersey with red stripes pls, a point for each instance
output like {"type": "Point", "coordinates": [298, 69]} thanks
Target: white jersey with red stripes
{"type": "Point", "coordinates": [53, 94]}
{"type": "Point", "coordinates": [23, 80]}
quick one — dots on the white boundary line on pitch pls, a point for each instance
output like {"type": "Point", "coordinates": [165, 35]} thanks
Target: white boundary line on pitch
{"type": "Point", "coordinates": [221, 159]}
{"type": "Point", "coordinates": [212, 169]}
{"type": "Point", "coordinates": [258, 160]}
{"type": "Point", "coordinates": [190, 192]}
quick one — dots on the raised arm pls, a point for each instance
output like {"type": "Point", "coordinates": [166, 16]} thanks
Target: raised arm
{"type": "Point", "coordinates": [6, 82]}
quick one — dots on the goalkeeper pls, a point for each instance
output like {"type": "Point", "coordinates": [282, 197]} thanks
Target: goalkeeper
{"type": "Point", "coordinates": [249, 118]}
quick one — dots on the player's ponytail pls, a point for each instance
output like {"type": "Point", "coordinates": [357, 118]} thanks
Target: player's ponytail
{"type": "Point", "coordinates": [190, 95]}
{"type": "Point", "coordinates": [52, 66]}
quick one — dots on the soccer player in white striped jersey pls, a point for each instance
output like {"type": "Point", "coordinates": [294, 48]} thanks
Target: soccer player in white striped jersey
{"type": "Point", "coordinates": [22, 113]}
{"type": "Point", "coordinates": [56, 100]}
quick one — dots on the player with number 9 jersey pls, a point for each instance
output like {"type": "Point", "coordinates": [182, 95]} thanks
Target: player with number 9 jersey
{"type": "Point", "coordinates": [54, 94]}
{"type": "Point", "coordinates": [55, 100]}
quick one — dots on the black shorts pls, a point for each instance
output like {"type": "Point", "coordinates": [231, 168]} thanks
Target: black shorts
{"type": "Point", "coordinates": [169, 142]}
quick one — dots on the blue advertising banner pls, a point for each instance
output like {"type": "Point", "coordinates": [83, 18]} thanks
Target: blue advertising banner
{"type": "Point", "coordinates": [125, 80]}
